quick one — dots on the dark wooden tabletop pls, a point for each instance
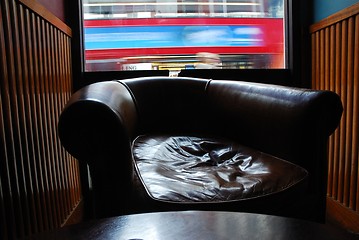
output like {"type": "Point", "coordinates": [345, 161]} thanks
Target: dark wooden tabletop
{"type": "Point", "coordinates": [197, 225]}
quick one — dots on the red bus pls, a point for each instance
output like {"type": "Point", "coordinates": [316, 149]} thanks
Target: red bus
{"type": "Point", "coordinates": [174, 42]}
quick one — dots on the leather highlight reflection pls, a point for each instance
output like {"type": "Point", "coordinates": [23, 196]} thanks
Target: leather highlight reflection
{"type": "Point", "coordinates": [202, 169]}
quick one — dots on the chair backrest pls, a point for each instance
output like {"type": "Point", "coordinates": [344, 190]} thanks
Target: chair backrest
{"type": "Point", "coordinates": [170, 104]}
{"type": "Point", "coordinates": [290, 123]}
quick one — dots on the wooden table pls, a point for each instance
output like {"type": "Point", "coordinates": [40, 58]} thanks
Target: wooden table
{"type": "Point", "coordinates": [197, 225]}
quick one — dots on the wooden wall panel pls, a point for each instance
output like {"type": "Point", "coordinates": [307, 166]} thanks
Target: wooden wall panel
{"type": "Point", "coordinates": [39, 181]}
{"type": "Point", "coordinates": [335, 66]}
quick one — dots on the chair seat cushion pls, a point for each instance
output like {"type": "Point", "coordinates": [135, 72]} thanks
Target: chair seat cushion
{"type": "Point", "coordinates": [190, 169]}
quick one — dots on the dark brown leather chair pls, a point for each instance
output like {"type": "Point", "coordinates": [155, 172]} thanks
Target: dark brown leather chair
{"type": "Point", "coordinates": [160, 144]}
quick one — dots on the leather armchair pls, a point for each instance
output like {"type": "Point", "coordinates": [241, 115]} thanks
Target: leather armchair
{"type": "Point", "coordinates": [161, 143]}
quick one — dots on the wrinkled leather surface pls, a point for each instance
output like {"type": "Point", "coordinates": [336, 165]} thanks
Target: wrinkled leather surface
{"type": "Point", "coordinates": [202, 169]}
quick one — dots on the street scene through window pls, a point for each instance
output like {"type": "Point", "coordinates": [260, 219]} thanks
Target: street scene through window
{"type": "Point", "coordinates": [183, 34]}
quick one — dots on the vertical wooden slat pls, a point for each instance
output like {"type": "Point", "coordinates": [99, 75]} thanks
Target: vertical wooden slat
{"type": "Point", "coordinates": [334, 137]}
{"type": "Point", "coordinates": [314, 59]}
{"type": "Point", "coordinates": [7, 223]}
{"type": "Point", "coordinates": [337, 87]}
{"type": "Point", "coordinates": [343, 94]}
{"type": "Point", "coordinates": [332, 58]}
{"type": "Point", "coordinates": [331, 149]}
{"type": "Point", "coordinates": [317, 34]}
{"type": "Point", "coordinates": [349, 113]}
{"type": "Point", "coordinates": [323, 58]}
{"type": "Point", "coordinates": [327, 58]}
{"type": "Point", "coordinates": [355, 158]}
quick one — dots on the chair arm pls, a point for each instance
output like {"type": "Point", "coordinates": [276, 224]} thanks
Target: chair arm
{"type": "Point", "coordinates": [96, 117]}
{"type": "Point", "coordinates": [96, 127]}
{"type": "Point", "coordinates": [275, 119]}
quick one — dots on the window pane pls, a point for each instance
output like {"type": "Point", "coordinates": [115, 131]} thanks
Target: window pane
{"type": "Point", "coordinates": [183, 34]}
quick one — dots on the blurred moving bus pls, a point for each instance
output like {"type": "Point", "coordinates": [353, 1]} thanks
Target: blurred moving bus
{"type": "Point", "coordinates": [169, 35]}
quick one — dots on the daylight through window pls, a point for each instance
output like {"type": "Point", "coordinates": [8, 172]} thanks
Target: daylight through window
{"type": "Point", "coordinates": [183, 34]}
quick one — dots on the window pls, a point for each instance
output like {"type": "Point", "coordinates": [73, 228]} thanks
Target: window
{"type": "Point", "coordinates": [183, 34]}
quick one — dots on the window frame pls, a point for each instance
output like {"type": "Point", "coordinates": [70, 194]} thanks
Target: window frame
{"type": "Point", "coordinates": [297, 52]}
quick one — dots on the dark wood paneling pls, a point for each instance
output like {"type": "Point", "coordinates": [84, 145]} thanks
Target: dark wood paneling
{"type": "Point", "coordinates": [48, 16]}
{"type": "Point", "coordinates": [342, 216]}
{"type": "Point", "coordinates": [335, 66]}
{"type": "Point", "coordinates": [39, 181]}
